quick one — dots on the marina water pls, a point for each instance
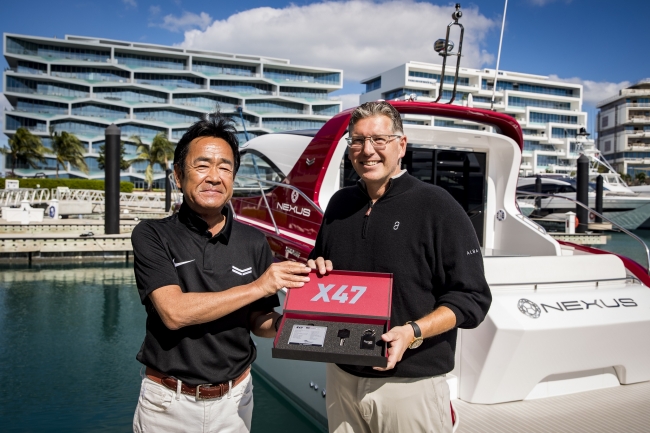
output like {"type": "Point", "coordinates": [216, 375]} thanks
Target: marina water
{"type": "Point", "coordinates": [68, 339]}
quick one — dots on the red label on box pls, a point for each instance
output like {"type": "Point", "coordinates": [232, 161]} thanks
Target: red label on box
{"type": "Point", "coordinates": [344, 293]}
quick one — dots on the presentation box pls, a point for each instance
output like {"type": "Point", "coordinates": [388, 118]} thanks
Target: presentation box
{"type": "Point", "coordinates": [337, 318]}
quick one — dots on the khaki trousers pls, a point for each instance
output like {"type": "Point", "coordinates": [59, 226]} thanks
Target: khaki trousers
{"type": "Point", "coordinates": [386, 405]}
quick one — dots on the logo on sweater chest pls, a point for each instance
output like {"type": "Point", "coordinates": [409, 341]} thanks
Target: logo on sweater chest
{"type": "Point", "coordinates": [470, 252]}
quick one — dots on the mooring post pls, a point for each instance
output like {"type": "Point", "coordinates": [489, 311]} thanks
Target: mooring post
{"type": "Point", "coordinates": [168, 190]}
{"type": "Point", "coordinates": [582, 194]}
{"type": "Point", "coordinates": [599, 198]}
{"type": "Point", "coordinates": [112, 180]}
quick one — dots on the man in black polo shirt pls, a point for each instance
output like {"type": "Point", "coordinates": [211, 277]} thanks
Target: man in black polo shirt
{"type": "Point", "coordinates": [206, 282]}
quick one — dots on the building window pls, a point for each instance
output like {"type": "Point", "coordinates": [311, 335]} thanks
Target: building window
{"type": "Point", "coordinates": [128, 95]}
{"type": "Point", "coordinates": [326, 110]}
{"type": "Point", "coordinates": [166, 115]}
{"type": "Point", "coordinates": [563, 133]}
{"type": "Point", "coordinates": [532, 88]}
{"type": "Point", "coordinates": [142, 61]}
{"type": "Point", "coordinates": [291, 124]}
{"type": "Point", "coordinates": [41, 107]}
{"type": "Point", "coordinates": [89, 74]}
{"type": "Point", "coordinates": [50, 52]}
{"type": "Point", "coordinates": [212, 103]}
{"type": "Point", "coordinates": [333, 78]}
{"type": "Point", "coordinates": [170, 81]}
{"type": "Point", "coordinates": [608, 146]}
{"type": "Point", "coordinates": [546, 160]}
{"type": "Point", "coordinates": [304, 93]}
{"type": "Point", "coordinates": [555, 118]}
{"type": "Point", "coordinates": [69, 91]}
{"type": "Point", "coordinates": [267, 106]}
{"type": "Point", "coordinates": [100, 110]}
{"type": "Point", "coordinates": [604, 122]}
{"type": "Point", "coordinates": [536, 145]}
{"type": "Point", "coordinates": [526, 102]}
{"type": "Point", "coordinates": [394, 94]}
{"type": "Point", "coordinates": [373, 84]}
{"type": "Point", "coordinates": [243, 88]}
{"type": "Point", "coordinates": [14, 123]}
{"type": "Point", "coordinates": [210, 68]}
{"type": "Point", "coordinates": [31, 68]}
{"type": "Point", "coordinates": [449, 79]}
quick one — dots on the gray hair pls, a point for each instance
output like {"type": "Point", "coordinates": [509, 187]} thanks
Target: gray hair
{"type": "Point", "coordinates": [377, 108]}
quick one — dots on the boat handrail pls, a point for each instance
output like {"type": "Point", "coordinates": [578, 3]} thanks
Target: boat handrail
{"type": "Point", "coordinates": [627, 232]}
{"type": "Point", "coordinates": [602, 280]}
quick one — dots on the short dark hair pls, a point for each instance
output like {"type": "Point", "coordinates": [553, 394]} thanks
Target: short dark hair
{"type": "Point", "coordinates": [216, 125]}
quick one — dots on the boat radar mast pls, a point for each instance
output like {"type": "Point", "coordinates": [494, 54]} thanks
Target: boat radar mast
{"type": "Point", "coordinates": [444, 47]}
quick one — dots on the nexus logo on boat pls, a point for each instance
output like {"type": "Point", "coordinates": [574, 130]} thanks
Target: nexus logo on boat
{"type": "Point", "coordinates": [531, 309]}
{"type": "Point", "coordinates": [295, 209]}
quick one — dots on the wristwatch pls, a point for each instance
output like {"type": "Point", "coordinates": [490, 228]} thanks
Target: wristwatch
{"type": "Point", "coordinates": [417, 341]}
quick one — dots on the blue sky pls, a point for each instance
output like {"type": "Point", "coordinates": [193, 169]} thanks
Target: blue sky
{"type": "Point", "coordinates": [601, 44]}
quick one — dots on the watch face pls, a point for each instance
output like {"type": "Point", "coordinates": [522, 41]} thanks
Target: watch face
{"type": "Point", "coordinates": [415, 344]}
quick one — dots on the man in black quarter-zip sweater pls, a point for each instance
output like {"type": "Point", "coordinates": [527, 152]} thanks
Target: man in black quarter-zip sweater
{"type": "Point", "coordinates": [393, 222]}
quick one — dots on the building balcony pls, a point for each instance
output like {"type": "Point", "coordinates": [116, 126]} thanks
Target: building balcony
{"type": "Point", "coordinates": [639, 119]}
{"type": "Point", "coordinates": [638, 104]}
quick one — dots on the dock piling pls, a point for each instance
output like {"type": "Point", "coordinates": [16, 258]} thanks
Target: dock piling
{"type": "Point", "coordinates": [582, 194]}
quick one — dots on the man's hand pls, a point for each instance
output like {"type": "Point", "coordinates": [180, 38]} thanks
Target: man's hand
{"type": "Point", "coordinates": [283, 274]}
{"type": "Point", "coordinates": [399, 339]}
{"type": "Point", "coordinates": [321, 265]}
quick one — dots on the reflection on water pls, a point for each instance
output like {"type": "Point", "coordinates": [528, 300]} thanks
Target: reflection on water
{"type": "Point", "coordinates": [68, 340]}
{"type": "Point", "coordinates": [622, 244]}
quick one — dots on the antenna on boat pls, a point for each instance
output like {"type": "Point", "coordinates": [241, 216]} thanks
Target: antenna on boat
{"type": "Point", "coordinates": [496, 72]}
{"type": "Point", "coordinates": [444, 47]}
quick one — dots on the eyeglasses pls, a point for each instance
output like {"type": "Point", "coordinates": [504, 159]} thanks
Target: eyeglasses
{"type": "Point", "coordinates": [379, 142]}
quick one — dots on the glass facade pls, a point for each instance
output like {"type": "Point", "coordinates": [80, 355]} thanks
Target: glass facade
{"type": "Point", "coordinates": [536, 145]}
{"type": "Point", "coordinates": [325, 110]}
{"type": "Point", "coordinates": [394, 94]}
{"type": "Point", "coordinates": [211, 68]}
{"type": "Point", "coordinates": [166, 115]}
{"type": "Point", "coordinates": [41, 107]}
{"type": "Point", "coordinates": [526, 102]}
{"type": "Point", "coordinates": [333, 78]}
{"type": "Point", "coordinates": [49, 52]}
{"type": "Point", "coordinates": [636, 155]}
{"type": "Point", "coordinates": [267, 106]}
{"type": "Point", "coordinates": [249, 121]}
{"type": "Point", "coordinates": [169, 81]}
{"type": "Point", "coordinates": [142, 131]}
{"type": "Point", "coordinates": [532, 88]}
{"type": "Point", "coordinates": [79, 127]}
{"type": "Point", "coordinates": [446, 96]}
{"type": "Point", "coordinates": [373, 84]}
{"type": "Point", "coordinates": [15, 122]}
{"type": "Point", "coordinates": [130, 96]}
{"type": "Point", "coordinates": [241, 87]}
{"type": "Point", "coordinates": [99, 110]}
{"type": "Point", "coordinates": [546, 160]}
{"type": "Point", "coordinates": [92, 163]}
{"type": "Point", "coordinates": [449, 79]}
{"type": "Point", "coordinates": [279, 124]}
{"type": "Point", "coordinates": [178, 133]}
{"type": "Point", "coordinates": [563, 133]}
{"type": "Point", "coordinates": [304, 93]}
{"type": "Point", "coordinates": [141, 61]}
{"type": "Point", "coordinates": [31, 67]}
{"type": "Point", "coordinates": [63, 90]}
{"type": "Point", "coordinates": [89, 74]}
{"type": "Point", "coordinates": [555, 118]}
{"type": "Point", "coordinates": [212, 103]}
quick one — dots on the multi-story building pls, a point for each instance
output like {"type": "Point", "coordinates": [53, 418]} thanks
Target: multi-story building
{"type": "Point", "coordinates": [624, 129]}
{"type": "Point", "coordinates": [82, 84]}
{"type": "Point", "coordinates": [548, 111]}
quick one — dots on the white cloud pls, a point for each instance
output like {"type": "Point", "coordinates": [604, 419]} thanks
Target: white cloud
{"type": "Point", "coordinates": [154, 10]}
{"type": "Point", "coordinates": [349, 100]}
{"type": "Point", "coordinates": [545, 2]}
{"type": "Point", "coordinates": [594, 91]}
{"type": "Point", "coordinates": [130, 3]}
{"type": "Point", "coordinates": [361, 37]}
{"type": "Point", "coordinates": [185, 22]}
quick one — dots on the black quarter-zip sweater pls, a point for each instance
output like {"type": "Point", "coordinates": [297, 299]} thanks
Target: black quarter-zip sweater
{"type": "Point", "coordinates": [421, 235]}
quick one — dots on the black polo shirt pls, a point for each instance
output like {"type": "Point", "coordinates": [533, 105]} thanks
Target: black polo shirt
{"type": "Point", "coordinates": [179, 250]}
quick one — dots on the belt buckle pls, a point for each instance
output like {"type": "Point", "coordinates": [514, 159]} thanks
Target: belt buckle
{"type": "Point", "coordinates": [197, 395]}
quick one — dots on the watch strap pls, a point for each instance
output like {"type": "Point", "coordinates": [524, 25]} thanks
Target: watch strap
{"type": "Point", "coordinates": [417, 332]}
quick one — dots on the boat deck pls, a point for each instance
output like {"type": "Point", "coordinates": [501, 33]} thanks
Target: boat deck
{"type": "Point", "coordinates": [624, 408]}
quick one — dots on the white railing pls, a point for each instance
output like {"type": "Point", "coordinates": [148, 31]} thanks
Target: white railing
{"type": "Point", "coordinates": [134, 200]}
{"type": "Point", "coordinates": [13, 197]}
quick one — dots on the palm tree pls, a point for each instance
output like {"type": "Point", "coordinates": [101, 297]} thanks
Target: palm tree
{"type": "Point", "coordinates": [66, 147]}
{"type": "Point", "coordinates": [26, 146]}
{"type": "Point", "coordinates": [160, 152]}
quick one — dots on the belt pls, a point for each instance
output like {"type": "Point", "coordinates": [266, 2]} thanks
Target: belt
{"type": "Point", "coordinates": [201, 392]}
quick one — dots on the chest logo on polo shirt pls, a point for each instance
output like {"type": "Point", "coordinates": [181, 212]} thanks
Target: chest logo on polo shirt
{"type": "Point", "coordinates": [181, 263]}
{"type": "Point", "coordinates": [238, 271]}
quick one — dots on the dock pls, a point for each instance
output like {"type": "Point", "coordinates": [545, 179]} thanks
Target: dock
{"type": "Point", "coordinates": [65, 239]}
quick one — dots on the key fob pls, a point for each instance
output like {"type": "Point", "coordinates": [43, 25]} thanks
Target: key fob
{"type": "Point", "coordinates": [368, 340]}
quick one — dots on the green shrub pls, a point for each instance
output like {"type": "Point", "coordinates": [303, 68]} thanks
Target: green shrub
{"type": "Point", "coordinates": [70, 183]}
